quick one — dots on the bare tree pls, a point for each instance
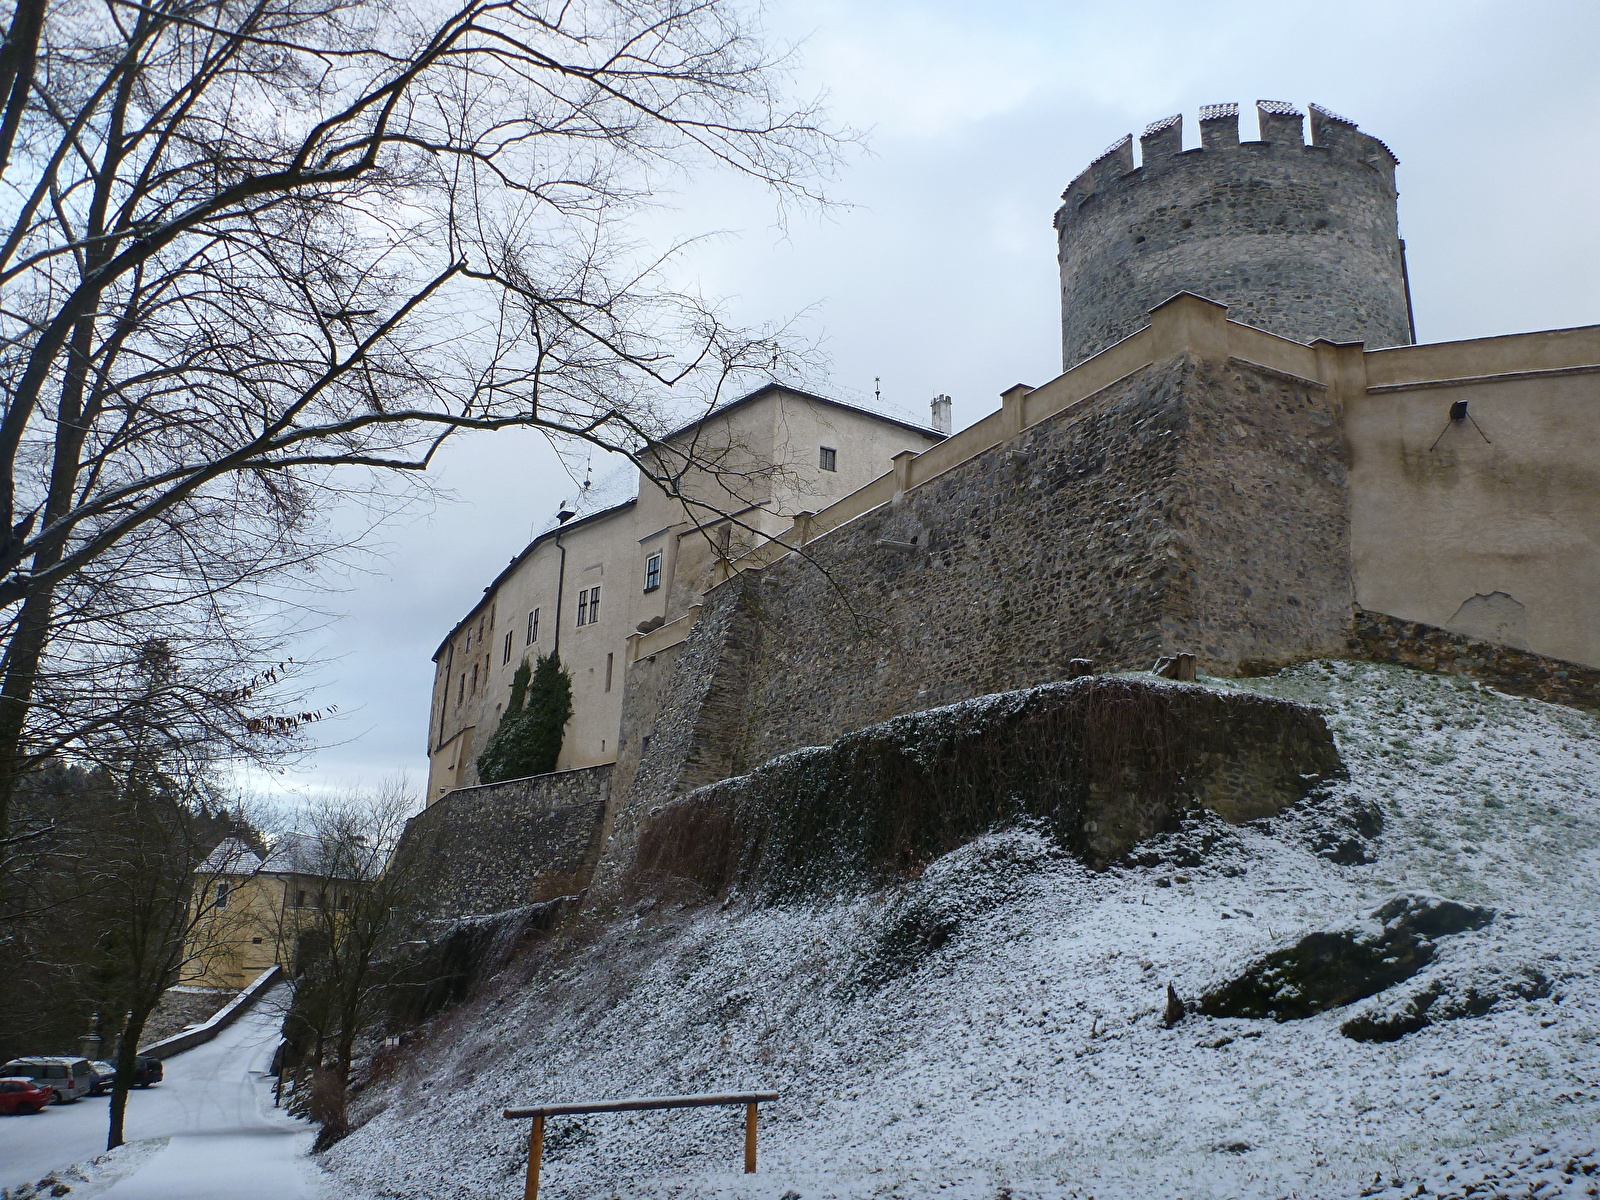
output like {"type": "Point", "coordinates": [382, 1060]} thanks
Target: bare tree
{"type": "Point", "coordinates": [366, 904]}
{"type": "Point", "coordinates": [261, 255]}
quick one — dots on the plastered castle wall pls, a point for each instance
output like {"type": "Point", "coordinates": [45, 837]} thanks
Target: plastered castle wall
{"type": "Point", "coordinates": [1487, 524]}
{"type": "Point", "coordinates": [1300, 240]}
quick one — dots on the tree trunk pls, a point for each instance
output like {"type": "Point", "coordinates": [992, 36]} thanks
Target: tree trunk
{"type": "Point", "coordinates": [21, 668]}
{"type": "Point", "coordinates": [127, 1063]}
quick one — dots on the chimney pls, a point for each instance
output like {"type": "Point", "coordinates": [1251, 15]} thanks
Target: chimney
{"type": "Point", "coordinates": [941, 413]}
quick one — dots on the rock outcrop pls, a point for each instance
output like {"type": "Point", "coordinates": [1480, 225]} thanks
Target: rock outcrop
{"type": "Point", "coordinates": [1332, 968]}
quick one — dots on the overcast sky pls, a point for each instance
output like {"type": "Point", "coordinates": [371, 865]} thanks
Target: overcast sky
{"type": "Point", "coordinates": [942, 277]}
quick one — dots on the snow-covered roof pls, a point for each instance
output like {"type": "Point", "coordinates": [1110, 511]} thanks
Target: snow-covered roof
{"type": "Point", "coordinates": [290, 854]}
{"type": "Point", "coordinates": [296, 854]}
{"type": "Point", "coordinates": [231, 857]}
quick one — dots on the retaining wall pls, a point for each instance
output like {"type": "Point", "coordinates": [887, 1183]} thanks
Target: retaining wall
{"type": "Point", "coordinates": [502, 845]}
{"type": "Point", "coordinates": [1410, 644]}
{"type": "Point", "coordinates": [231, 1012]}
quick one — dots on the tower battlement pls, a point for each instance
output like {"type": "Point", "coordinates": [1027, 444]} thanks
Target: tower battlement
{"type": "Point", "coordinates": [1281, 124]}
{"type": "Point", "coordinates": [1298, 237]}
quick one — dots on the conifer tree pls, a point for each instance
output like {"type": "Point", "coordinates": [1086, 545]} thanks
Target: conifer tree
{"type": "Point", "coordinates": [528, 739]}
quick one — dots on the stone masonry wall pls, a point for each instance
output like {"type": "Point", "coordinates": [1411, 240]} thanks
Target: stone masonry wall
{"type": "Point", "coordinates": [683, 720]}
{"type": "Point", "coordinates": [501, 845]}
{"type": "Point", "coordinates": [1192, 505]}
{"type": "Point", "coordinates": [1102, 762]}
{"type": "Point", "coordinates": [1116, 534]}
{"type": "Point", "coordinates": [1410, 644]}
{"type": "Point", "coordinates": [1261, 540]}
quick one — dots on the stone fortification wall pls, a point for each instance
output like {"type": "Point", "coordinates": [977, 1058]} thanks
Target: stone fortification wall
{"type": "Point", "coordinates": [1114, 531]}
{"type": "Point", "coordinates": [683, 720]}
{"type": "Point", "coordinates": [1300, 240]}
{"type": "Point", "coordinates": [1411, 644]}
{"type": "Point", "coordinates": [1260, 553]}
{"type": "Point", "coordinates": [497, 846]}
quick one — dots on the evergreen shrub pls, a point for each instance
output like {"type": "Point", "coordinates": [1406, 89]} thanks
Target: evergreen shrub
{"type": "Point", "coordinates": [528, 739]}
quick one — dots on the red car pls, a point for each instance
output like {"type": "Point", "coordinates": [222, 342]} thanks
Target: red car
{"type": "Point", "coordinates": [21, 1095]}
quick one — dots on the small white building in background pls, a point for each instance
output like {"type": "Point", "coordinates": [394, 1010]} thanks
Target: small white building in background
{"type": "Point", "coordinates": [583, 588]}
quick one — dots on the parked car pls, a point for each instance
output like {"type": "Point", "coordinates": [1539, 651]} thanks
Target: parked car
{"type": "Point", "coordinates": [145, 1072]}
{"type": "Point", "coordinates": [104, 1074]}
{"type": "Point", "coordinates": [69, 1079]}
{"type": "Point", "coordinates": [22, 1095]}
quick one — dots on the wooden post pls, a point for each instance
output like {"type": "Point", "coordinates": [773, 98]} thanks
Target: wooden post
{"type": "Point", "coordinates": [750, 1139]}
{"type": "Point", "coordinates": [535, 1153]}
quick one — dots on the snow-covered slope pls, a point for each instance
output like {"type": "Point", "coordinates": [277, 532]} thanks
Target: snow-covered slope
{"type": "Point", "coordinates": [995, 1028]}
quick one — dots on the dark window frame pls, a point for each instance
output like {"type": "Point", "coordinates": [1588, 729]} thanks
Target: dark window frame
{"type": "Point", "coordinates": [588, 605]}
{"type": "Point", "coordinates": [652, 572]}
{"type": "Point", "coordinates": [827, 458]}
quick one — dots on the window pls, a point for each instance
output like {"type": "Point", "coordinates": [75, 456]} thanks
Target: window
{"type": "Point", "coordinates": [474, 679]}
{"type": "Point", "coordinates": [300, 898]}
{"type": "Point", "coordinates": [533, 627]}
{"type": "Point", "coordinates": [344, 902]}
{"type": "Point", "coordinates": [652, 572]}
{"type": "Point", "coordinates": [222, 894]}
{"type": "Point", "coordinates": [588, 605]}
{"type": "Point", "coordinates": [505, 656]}
{"type": "Point", "coordinates": [609, 659]}
{"type": "Point", "coordinates": [461, 689]}
{"type": "Point", "coordinates": [255, 941]}
{"type": "Point", "coordinates": [828, 458]}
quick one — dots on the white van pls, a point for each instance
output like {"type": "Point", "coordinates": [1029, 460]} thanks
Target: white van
{"type": "Point", "coordinates": [70, 1079]}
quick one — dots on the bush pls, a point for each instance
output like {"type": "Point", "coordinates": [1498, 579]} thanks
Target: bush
{"type": "Point", "coordinates": [528, 739]}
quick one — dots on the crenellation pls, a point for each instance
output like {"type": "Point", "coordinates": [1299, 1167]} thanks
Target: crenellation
{"type": "Point", "coordinates": [1112, 165]}
{"type": "Point", "coordinates": [1219, 126]}
{"type": "Point", "coordinates": [1331, 131]}
{"type": "Point", "coordinates": [1282, 123]}
{"type": "Point", "coordinates": [1162, 138]}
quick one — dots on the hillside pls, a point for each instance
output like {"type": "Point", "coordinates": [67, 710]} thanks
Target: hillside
{"type": "Point", "coordinates": [995, 1028]}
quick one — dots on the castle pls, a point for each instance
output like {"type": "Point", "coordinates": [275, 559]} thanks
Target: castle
{"type": "Point", "coordinates": [1246, 459]}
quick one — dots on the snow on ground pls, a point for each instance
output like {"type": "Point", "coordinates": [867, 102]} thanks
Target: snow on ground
{"type": "Point", "coordinates": [994, 1029]}
{"type": "Point", "coordinates": [207, 1132]}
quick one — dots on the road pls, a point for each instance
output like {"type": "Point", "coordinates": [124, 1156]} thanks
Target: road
{"type": "Point", "coordinates": [215, 1105]}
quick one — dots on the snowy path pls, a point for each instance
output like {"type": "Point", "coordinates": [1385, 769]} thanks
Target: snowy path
{"type": "Point", "coordinates": [225, 1141]}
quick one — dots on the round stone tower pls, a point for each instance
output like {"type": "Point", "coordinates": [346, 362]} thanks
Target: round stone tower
{"type": "Point", "coordinates": [1300, 240]}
